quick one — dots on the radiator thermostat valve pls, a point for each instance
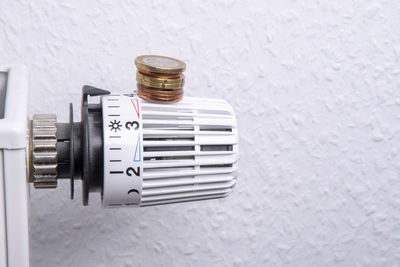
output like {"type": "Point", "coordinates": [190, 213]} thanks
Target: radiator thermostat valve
{"type": "Point", "coordinates": [134, 152]}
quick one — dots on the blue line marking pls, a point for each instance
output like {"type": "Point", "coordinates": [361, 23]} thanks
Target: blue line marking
{"type": "Point", "coordinates": [138, 151]}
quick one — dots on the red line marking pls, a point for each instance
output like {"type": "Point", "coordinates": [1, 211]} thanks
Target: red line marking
{"type": "Point", "coordinates": [136, 106]}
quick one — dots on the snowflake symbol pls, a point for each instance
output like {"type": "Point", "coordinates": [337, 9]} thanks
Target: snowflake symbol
{"type": "Point", "coordinates": [115, 125]}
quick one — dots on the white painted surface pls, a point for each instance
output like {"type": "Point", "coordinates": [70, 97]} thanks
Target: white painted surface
{"type": "Point", "coordinates": [315, 86]}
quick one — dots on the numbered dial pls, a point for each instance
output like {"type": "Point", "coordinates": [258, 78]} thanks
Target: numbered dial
{"type": "Point", "coordinates": [123, 150]}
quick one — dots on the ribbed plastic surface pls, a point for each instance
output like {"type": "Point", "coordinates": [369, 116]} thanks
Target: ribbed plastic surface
{"type": "Point", "coordinates": [190, 150]}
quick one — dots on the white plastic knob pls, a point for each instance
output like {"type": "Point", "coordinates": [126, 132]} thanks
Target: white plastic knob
{"type": "Point", "coordinates": [167, 153]}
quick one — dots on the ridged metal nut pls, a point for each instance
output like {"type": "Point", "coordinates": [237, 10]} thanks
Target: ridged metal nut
{"type": "Point", "coordinates": [44, 151]}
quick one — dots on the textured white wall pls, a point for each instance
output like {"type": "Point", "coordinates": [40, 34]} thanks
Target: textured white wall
{"type": "Point", "coordinates": [316, 88]}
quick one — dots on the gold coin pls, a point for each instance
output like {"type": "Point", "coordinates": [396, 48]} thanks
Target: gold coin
{"type": "Point", "coordinates": [164, 93]}
{"type": "Point", "coordinates": [159, 82]}
{"type": "Point", "coordinates": [142, 76]}
{"type": "Point", "coordinates": [159, 75]}
{"type": "Point", "coordinates": [160, 64]}
{"type": "Point", "coordinates": [161, 85]}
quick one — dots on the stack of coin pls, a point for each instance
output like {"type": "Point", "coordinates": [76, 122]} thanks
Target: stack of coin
{"type": "Point", "coordinates": [159, 78]}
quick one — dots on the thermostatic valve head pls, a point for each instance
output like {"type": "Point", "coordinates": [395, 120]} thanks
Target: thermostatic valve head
{"type": "Point", "coordinates": [166, 153]}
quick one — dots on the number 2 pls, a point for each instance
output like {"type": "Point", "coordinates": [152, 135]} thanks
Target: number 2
{"type": "Point", "coordinates": [131, 170]}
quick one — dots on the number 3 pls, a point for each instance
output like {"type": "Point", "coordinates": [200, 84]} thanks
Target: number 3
{"type": "Point", "coordinates": [130, 124]}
